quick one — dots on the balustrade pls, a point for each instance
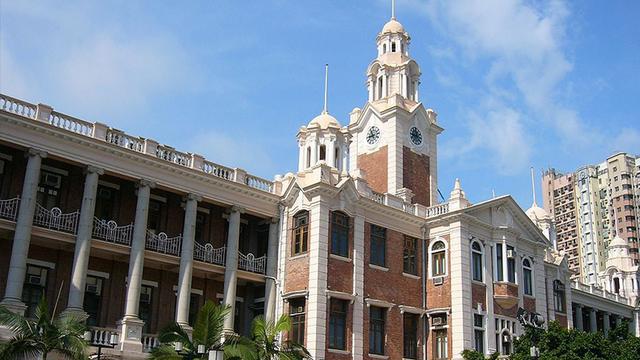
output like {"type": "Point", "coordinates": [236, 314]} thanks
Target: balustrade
{"type": "Point", "coordinates": [163, 244]}
{"type": "Point", "coordinates": [437, 210]}
{"type": "Point", "coordinates": [54, 219]}
{"type": "Point", "coordinates": [102, 336]}
{"type": "Point", "coordinates": [208, 254]}
{"type": "Point", "coordinates": [259, 183]}
{"type": "Point", "coordinates": [121, 139]}
{"type": "Point", "coordinates": [70, 123]}
{"type": "Point", "coordinates": [137, 144]}
{"type": "Point", "coordinates": [250, 263]}
{"type": "Point", "coordinates": [18, 107]}
{"type": "Point", "coordinates": [111, 232]}
{"type": "Point", "coordinates": [9, 208]}
{"type": "Point", "coordinates": [218, 170]}
{"type": "Point", "coordinates": [149, 342]}
{"type": "Point", "coordinates": [170, 154]}
{"type": "Point", "coordinates": [377, 197]}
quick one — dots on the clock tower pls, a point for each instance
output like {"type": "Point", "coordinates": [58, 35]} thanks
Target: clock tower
{"type": "Point", "coordinates": [394, 137]}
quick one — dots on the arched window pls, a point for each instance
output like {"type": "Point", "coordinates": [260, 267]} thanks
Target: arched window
{"type": "Point", "coordinates": [476, 255]}
{"type": "Point", "coordinates": [323, 152]}
{"type": "Point", "coordinates": [384, 48]}
{"type": "Point", "coordinates": [336, 158]}
{"type": "Point", "coordinates": [379, 88]}
{"type": "Point", "coordinates": [393, 47]}
{"type": "Point", "coordinates": [438, 258]}
{"type": "Point", "coordinates": [300, 232]}
{"type": "Point", "coordinates": [616, 285]}
{"type": "Point", "coordinates": [558, 296]}
{"type": "Point", "coordinates": [308, 156]}
{"type": "Point", "coordinates": [505, 341]}
{"type": "Point", "coordinates": [527, 277]}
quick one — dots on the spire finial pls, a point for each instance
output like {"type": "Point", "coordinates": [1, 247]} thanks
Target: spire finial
{"type": "Point", "coordinates": [533, 187]}
{"type": "Point", "coordinates": [326, 87]}
{"type": "Point", "coordinates": [393, 9]}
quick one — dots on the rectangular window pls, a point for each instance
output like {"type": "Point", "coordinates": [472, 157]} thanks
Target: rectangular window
{"type": "Point", "coordinates": [441, 350]}
{"type": "Point", "coordinates": [93, 300]}
{"type": "Point", "coordinates": [297, 315]}
{"type": "Point", "coordinates": [528, 286]}
{"type": "Point", "coordinates": [339, 234]}
{"type": "Point", "coordinates": [201, 220]}
{"type": "Point", "coordinates": [409, 255]}
{"type": "Point", "coordinates": [338, 324]}
{"type": "Point", "coordinates": [106, 203]}
{"type": "Point", "coordinates": [194, 307]}
{"type": "Point", "coordinates": [154, 222]}
{"type": "Point", "coordinates": [378, 245]}
{"type": "Point", "coordinates": [477, 265]}
{"type": "Point", "coordinates": [511, 264]}
{"type": "Point", "coordinates": [478, 332]}
{"type": "Point", "coordinates": [49, 189]}
{"type": "Point", "coordinates": [499, 263]}
{"type": "Point", "coordinates": [558, 296]}
{"type": "Point", "coordinates": [145, 309]}
{"type": "Point", "coordinates": [35, 287]}
{"type": "Point", "coordinates": [410, 334]}
{"type": "Point", "coordinates": [377, 318]}
{"type": "Point", "coordinates": [300, 233]}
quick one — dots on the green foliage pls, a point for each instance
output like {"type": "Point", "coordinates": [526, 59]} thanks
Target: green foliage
{"type": "Point", "coordinates": [475, 355]}
{"type": "Point", "coordinates": [559, 343]}
{"type": "Point", "coordinates": [209, 331]}
{"type": "Point", "coordinates": [265, 345]}
{"type": "Point", "coordinates": [35, 338]}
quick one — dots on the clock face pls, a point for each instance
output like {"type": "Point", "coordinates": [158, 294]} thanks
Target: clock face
{"type": "Point", "coordinates": [373, 135]}
{"type": "Point", "coordinates": [416, 136]}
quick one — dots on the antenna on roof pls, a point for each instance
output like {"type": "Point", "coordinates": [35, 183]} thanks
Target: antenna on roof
{"type": "Point", "coordinates": [326, 87]}
{"type": "Point", "coordinates": [493, 192]}
{"type": "Point", "coordinates": [533, 187]}
{"type": "Point", "coordinates": [393, 9]}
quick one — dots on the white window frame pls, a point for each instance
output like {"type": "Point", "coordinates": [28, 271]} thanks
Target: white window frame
{"type": "Point", "coordinates": [524, 271]}
{"type": "Point", "coordinates": [482, 260]}
{"type": "Point", "coordinates": [446, 262]}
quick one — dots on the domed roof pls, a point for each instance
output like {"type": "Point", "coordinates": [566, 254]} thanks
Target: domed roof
{"type": "Point", "coordinates": [537, 213]}
{"type": "Point", "coordinates": [324, 121]}
{"type": "Point", "coordinates": [393, 26]}
{"type": "Point", "coordinates": [618, 242]}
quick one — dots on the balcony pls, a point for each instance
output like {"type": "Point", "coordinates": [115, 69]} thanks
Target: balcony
{"type": "Point", "coordinates": [109, 231]}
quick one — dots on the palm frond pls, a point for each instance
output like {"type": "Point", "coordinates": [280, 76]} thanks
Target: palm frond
{"type": "Point", "coordinates": [209, 324]}
{"type": "Point", "coordinates": [283, 324]}
{"type": "Point", "coordinates": [173, 333]}
{"type": "Point", "coordinates": [164, 352]}
{"type": "Point", "coordinates": [17, 323]}
{"type": "Point", "coordinates": [21, 348]}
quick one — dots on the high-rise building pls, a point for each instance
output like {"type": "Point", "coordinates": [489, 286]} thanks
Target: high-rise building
{"type": "Point", "coordinates": [584, 204]}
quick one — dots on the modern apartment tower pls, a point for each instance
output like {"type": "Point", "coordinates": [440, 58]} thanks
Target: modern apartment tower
{"type": "Point", "coordinates": [584, 204]}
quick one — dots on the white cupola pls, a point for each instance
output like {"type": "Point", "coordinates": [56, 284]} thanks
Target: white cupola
{"type": "Point", "coordinates": [393, 71]}
{"type": "Point", "coordinates": [323, 140]}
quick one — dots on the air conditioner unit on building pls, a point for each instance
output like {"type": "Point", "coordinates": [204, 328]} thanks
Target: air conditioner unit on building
{"type": "Point", "coordinates": [52, 180]}
{"type": "Point", "coordinates": [511, 254]}
{"type": "Point", "coordinates": [93, 289]}
{"type": "Point", "coordinates": [34, 280]}
{"type": "Point", "coordinates": [506, 338]}
{"type": "Point", "coordinates": [438, 281]}
{"type": "Point", "coordinates": [437, 321]}
{"type": "Point", "coordinates": [145, 298]}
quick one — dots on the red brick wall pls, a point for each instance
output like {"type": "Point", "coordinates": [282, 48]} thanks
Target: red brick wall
{"type": "Point", "coordinates": [343, 281]}
{"type": "Point", "coordinates": [562, 320]}
{"type": "Point", "coordinates": [529, 304]}
{"type": "Point", "coordinates": [415, 175]}
{"type": "Point", "coordinates": [375, 167]}
{"type": "Point", "coordinates": [478, 295]}
{"type": "Point", "coordinates": [439, 296]}
{"type": "Point", "coordinates": [297, 268]}
{"type": "Point", "coordinates": [431, 341]}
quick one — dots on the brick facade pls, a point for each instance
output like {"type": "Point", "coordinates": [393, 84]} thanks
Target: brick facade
{"type": "Point", "coordinates": [375, 168]}
{"type": "Point", "coordinates": [415, 175]}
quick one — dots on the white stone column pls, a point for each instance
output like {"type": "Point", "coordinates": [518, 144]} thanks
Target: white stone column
{"type": "Point", "coordinates": [460, 279]}
{"type": "Point", "coordinates": [231, 266]}
{"type": "Point", "coordinates": [384, 86]}
{"type": "Point", "coordinates": [605, 323]}
{"type": "Point", "coordinates": [316, 319]}
{"type": "Point", "coordinates": [83, 242]}
{"type": "Point", "coordinates": [301, 156]}
{"type": "Point", "coordinates": [22, 236]}
{"type": "Point", "coordinates": [186, 260]}
{"type": "Point", "coordinates": [490, 318]}
{"type": "Point", "coordinates": [331, 153]}
{"type": "Point", "coordinates": [579, 318]}
{"type": "Point", "coordinates": [131, 325]}
{"type": "Point", "coordinates": [593, 322]}
{"type": "Point", "coordinates": [272, 267]}
{"type": "Point", "coordinates": [358, 288]}
{"type": "Point", "coordinates": [314, 153]}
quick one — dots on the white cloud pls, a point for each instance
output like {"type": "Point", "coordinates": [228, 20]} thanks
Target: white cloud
{"type": "Point", "coordinates": [79, 56]}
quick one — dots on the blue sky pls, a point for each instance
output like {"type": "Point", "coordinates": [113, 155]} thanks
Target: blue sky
{"type": "Point", "coordinates": [515, 83]}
